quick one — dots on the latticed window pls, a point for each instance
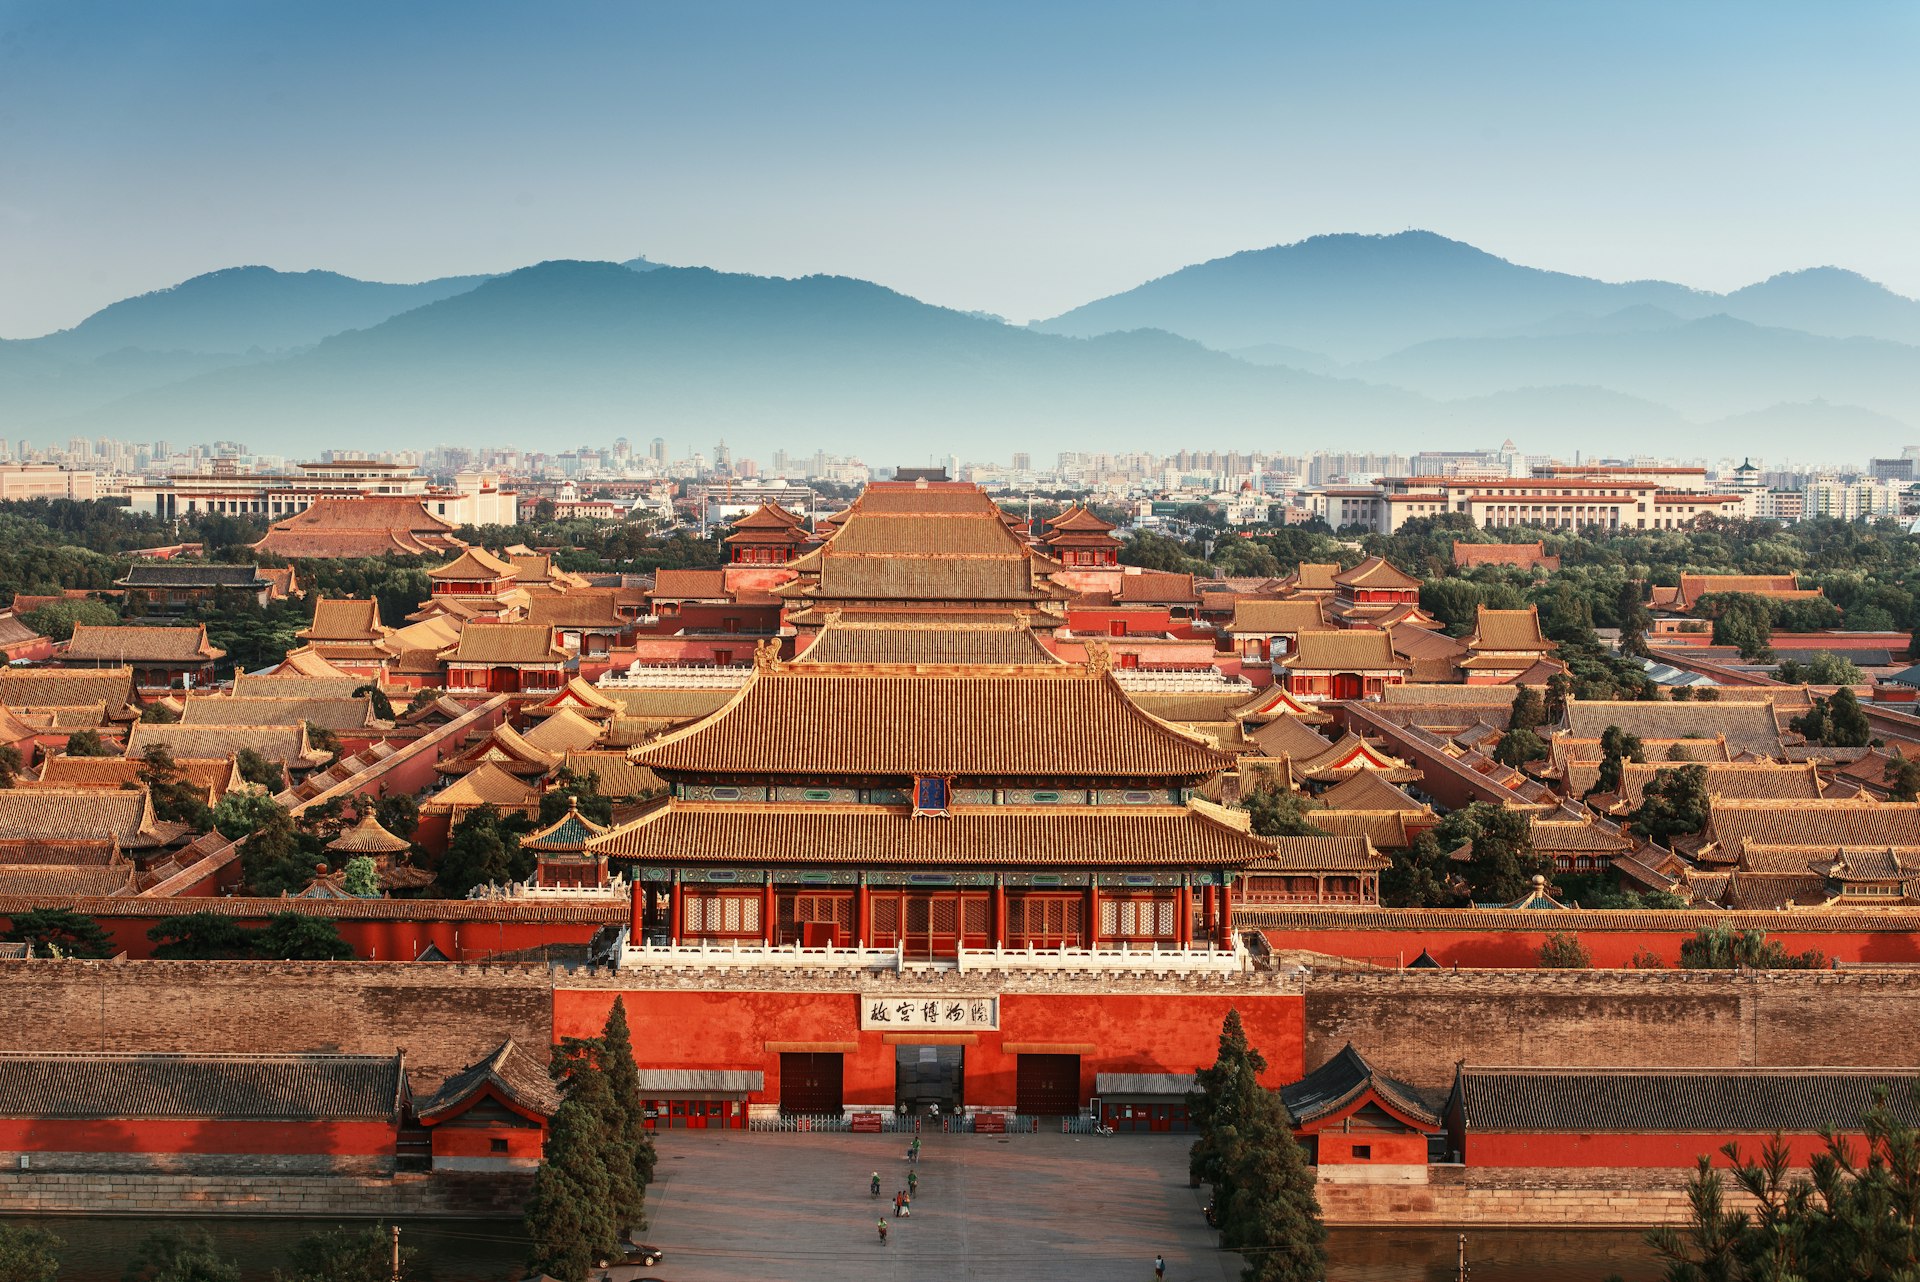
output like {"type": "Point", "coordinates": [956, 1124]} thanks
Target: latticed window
{"type": "Point", "coordinates": [1136, 918]}
{"type": "Point", "coordinates": [835, 910]}
{"type": "Point", "coordinates": [886, 915]}
{"type": "Point", "coordinates": [1045, 918]}
{"type": "Point", "coordinates": [723, 914]}
{"type": "Point", "coordinates": [973, 915]}
{"type": "Point", "coordinates": [946, 916]}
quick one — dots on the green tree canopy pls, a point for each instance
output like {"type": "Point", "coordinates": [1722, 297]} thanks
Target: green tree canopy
{"type": "Point", "coordinates": [170, 1256]}
{"type": "Point", "coordinates": [56, 620]}
{"type": "Point", "coordinates": [61, 931]}
{"type": "Point", "coordinates": [28, 1254]}
{"type": "Point", "coordinates": [200, 937]}
{"type": "Point", "coordinates": [349, 1255]}
{"type": "Point", "coordinates": [299, 937]}
{"type": "Point", "coordinates": [1673, 804]}
{"type": "Point", "coordinates": [87, 743]}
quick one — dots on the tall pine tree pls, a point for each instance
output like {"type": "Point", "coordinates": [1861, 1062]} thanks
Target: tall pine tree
{"type": "Point", "coordinates": [623, 1079]}
{"type": "Point", "coordinates": [1274, 1217]}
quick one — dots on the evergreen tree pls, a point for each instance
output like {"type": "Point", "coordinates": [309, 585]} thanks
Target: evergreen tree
{"type": "Point", "coordinates": [399, 814]}
{"type": "Point", "coordinates": [180, 1257]}
{"type": "Point", "coordinates": [574, 1215]}
{"type": "Point", "coordinates": [1673, 804]}
{"type": "Point", "coordinates": [582, 790]}
{"type": "Point", "coordinates": [1273, 1217]}
{"type": "Point", "coordinates": [10, 764]}
{"type": "Point", "coordinates": [1563, 952]}
{"type": "Point", "coordinates": [1902, 778]}
{"type": "Point", "coordinates": [200, 937]}
{"type": "Point", "coordinates": [87, 743]}
{"type": "Point", "coordinates": [623, 1080]}
{"type": "Point", "coordinates": [1517, 747]}
{"type": "Point", "coordinates": [1847, 724]}
{"type": "Point", "coordinates": [1720, 947]}
{"type": "Point", "coordinates": [382, 706]}
{"type": "Point", "coordinates": [1502, 863]}
{"type": "Point", "coordinates": [1420, 876]}
{"type": "Point", "coordinates": [349, 1255]}
{"type": "Point", "coordinates": [361, 876]}
{"type": "Point", "coordinates": [298, 937]}
{"type": "Point", "coordinates": [1529, 710]}
{"type": "Point", "coordinates": [1279, 811]}
{"type": "Point", "coordinates": [173, 797]}
{"type": "Point", "coordinates": [60, 931]}
{"type": "Point", "coordinates": [1559, 690]}
{"type": "Point", "coordinates": [1634, 620]}
{"type": "Point", "coordinates": [483, 848]}
{"type": "Point", "coordinates": [1217, 1108]}
{"type": "Point", "coordinates": [28, 1254]}
{"type": "Point", "coordinates": [1617, 747]}
{"type": "Point", "coordinates": [256, 769]}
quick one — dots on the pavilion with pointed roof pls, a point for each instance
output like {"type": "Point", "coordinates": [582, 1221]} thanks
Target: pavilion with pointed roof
{"type": "Point", "coordinates": [561, 857]}
{"type": "Point", "coordinates": [933, 809]}
{"type": "Point", "coordinates": [1078, 539]}
{"type": "Point", "coordinates": [768, 535]}
{"type": "Point", "coordinates": [1346, 1112]}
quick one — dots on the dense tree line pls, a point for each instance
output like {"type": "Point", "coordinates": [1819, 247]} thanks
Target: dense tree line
{"type": "Point", "coordinates": [363, 1254]}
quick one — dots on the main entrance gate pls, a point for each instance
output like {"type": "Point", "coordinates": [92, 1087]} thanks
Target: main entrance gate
{"type": "Point", "coordinates": [928, 1075]}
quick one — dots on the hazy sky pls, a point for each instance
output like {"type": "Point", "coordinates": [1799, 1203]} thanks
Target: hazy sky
{"type": "Point", "coordinates": [1019, 158]}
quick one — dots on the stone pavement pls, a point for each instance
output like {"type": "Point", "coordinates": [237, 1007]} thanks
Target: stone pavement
{"type": "Point", "coordinates": [731, 1206]}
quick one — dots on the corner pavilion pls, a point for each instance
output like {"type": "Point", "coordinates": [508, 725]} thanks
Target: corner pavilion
{"type": "Point", "coordinates": [931, 811]}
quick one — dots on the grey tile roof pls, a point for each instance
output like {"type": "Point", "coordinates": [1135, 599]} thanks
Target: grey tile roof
{"type": "Point", "coordinates": [1727, 1101]}
{"type": "Point", "coordinates": [1343, 1079]}
{"type": "Point", "coordinates": [260, 1087]}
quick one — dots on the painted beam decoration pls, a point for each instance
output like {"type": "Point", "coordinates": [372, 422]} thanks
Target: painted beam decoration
{"type": "Point", "coordinates": [942, 1013]}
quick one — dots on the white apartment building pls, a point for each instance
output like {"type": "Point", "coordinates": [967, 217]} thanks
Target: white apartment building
{"type": "Point", "coordinates": [1853, 500]}
{"type": "Point", "coordinates": [45, 481]}
{"type": "Point", "coordinates": [477, 498]}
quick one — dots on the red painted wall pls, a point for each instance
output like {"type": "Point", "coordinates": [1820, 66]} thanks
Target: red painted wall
{"type": "Point", "coordinates": [57, 1135]}
{"type": "Point", "coordinates": [1131, 1034]}
{"type": "Point", "coordinates": [391, 940]}
{"type": "Point", "coordinates": [456, 1140]}
{"type": "Point", "coordinates": [1335, 1148]}
{"type": "Point", "coordinates": [1503, 949]}
{"type": "Point", "coordinates": [1678, 1150]}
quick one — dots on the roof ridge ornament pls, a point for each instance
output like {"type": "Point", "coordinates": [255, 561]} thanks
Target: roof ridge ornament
{"type": "Point", "coordinates": [766, 656]}
{"type": "Point", "coordinates": [1099, 659]}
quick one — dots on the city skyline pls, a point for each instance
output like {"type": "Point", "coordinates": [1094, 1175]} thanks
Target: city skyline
{"type": "Point", "coordinates": [925, 152]}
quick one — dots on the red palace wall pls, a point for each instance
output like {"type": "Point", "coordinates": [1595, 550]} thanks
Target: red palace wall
{"type": "Point", "coordinates": [1112, 1033]}
{"type": "Point", "coordinates": [1335, 1148]}
{"type": "Point", "coordinates": [335, 1139]}
{"type": "Point", "coordinates": [1612, 1150]}
{"type": "Point", "coordinates": [524, 1143]}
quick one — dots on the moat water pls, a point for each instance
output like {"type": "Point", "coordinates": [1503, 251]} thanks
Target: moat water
{"type": "Point", "coordinates": [97, 1250]}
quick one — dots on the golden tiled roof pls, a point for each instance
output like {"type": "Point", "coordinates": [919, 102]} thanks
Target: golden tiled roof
{"type": "Point", "coordinates": [225, 710]}
{"type": "Point", "coordinates": [475, 564]}
{"type": "Point", "coordinates": [1358, 650]}
{"type": "Point", "coordinates": [1375, 573]}
{"type": "Point", "coordinates": [77, 813]}
{"type": "Point", "coordinates": [1747, 727]}
{"type": "Point", "coordinates": [927, 643]}
{"type": "Point", "coordinates": [615, 776]}
{"type": "Point", "coordinates": [879, 836]}
{"type": "Point", "coordinates": [1021, 722]}
{"type": "Point", "coordinates": [504, 643]}
{"type": "Point", "coordinates": [564, 731]}
{"type": "Point", "coordinates": [1386, 829]}
{"type": "Point", "coordinates": [210, 776]}
{"type": "Point", "coordinates": [142, 645]}
{"type": "Point", "coordinates": [1367, 791]}
{"type": "Point", "coordinates": [1312, 576]}
{"type": "Point", "coordinates": [286, 744]}
{"type": "Point", "coordinates": [374, 525]}
{"type": "Point", "coordinates": [1508, 630]}
{"type": "Point", "coordinates": [580, 608]}
{"type": "Point", "coordinates": [690, 585]}
{"type": "Point", "coordinates": [1733, 780]}
{"type": "Point", "coordinates": [367, 837]}
{"type": "Point", "coordinates": [1286, 614]}
{"type": "Point", "coordinates": [344, 619]}
{"type": "Point", "coordinates": [1345, 853]}
{"type": "Point", "coordinates": [1733, 825]}
{"type": "Point", "coordinates": [486, 785]}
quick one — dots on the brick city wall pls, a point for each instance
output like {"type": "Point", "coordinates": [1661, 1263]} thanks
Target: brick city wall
{"type": "Point", "coordinates": [1417, 1025]}
{"type": "Point", "coordinates": [446, 1016]}
{"type": "Point", "coordinates": [311, 1196]}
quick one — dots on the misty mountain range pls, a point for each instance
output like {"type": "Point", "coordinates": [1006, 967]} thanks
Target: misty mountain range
{"type": "Point", "coordinates": [1362, 342]}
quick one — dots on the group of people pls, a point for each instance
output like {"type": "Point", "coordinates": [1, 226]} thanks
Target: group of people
{"type": "Point", "coordinates": [902, 1198]}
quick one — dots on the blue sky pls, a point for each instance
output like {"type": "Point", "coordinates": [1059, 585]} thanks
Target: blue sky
{"type": "Point", "coordinates": [1019, 158]}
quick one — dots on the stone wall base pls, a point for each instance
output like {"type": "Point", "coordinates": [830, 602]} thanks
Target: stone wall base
{"type": "Point", "coordinates": [1514, 1197]}
{"type": "Point", "coordinates": [333, 1197]}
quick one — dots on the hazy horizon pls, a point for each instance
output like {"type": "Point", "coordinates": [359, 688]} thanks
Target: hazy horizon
{"type": "Point", "coordinates": [1014, 159]}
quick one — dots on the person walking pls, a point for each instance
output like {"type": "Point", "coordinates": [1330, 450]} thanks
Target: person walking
{"type": "Point", "coordinates": [873, 1185]}
{"type": "Point", "coordinates": [1159, 1268]}
{"type": "Point", "coordinates": [883, 1232]}
{"type": "Point", "coordinates": [913, 1151]}
{"type": "Point", "coordinates": [913, 1182]}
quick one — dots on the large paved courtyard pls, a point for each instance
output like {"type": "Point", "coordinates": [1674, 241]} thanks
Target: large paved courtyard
{"type": "Point", "coordinates": [1065, 1208]}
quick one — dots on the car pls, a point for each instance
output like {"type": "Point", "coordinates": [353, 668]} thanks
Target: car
{"type": "Point", "coordinates": [632, 1253]}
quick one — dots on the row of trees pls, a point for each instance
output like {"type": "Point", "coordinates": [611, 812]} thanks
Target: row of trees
{"type": "Point", "coordinates": [289, 936]}
{"type": "Point", "coordinates": [1716, 947]}
{"type": "Point", "coordinates": [29, 1254]}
